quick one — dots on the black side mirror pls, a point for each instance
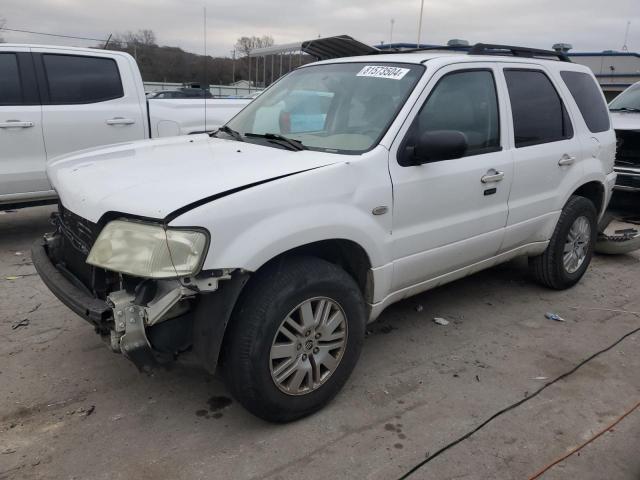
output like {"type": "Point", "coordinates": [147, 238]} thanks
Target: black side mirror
{"type": "Point", "coordinates": [439, 145]}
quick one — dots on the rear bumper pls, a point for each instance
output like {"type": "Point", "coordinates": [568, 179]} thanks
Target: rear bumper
{"type": "Point", "coordinates": [93, 310]}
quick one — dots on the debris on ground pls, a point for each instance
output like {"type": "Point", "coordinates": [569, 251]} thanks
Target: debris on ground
{"type": "Point", "coordinates": [419, 308]}
{"type": "Point", "coordinates": [35, 308]}
{"type": "Point", "coordinates": [8, 451]}
{"type": "Point", "coordinates": [477, 378]}
{"type": "Point", "coordinates": [19, 254]}
{"type": "Point", "coordinates": [440, 321]}
{"type": "Point", "coordinates": [22, 323]}
{"type": "Point", "coordinates": [18, 277]}
{"type": "Point", "coordinates": [554, 316]}
{"type": "Point", "coordinates": [540, 378]}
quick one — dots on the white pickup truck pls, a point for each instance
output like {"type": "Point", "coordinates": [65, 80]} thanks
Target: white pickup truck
{"type": "Point", "coordinates": [348, 185]}
{"type": "Point", "coordinates": [56, 100]}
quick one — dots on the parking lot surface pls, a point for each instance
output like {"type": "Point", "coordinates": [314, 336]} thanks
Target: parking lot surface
{"type": "Point", "coordinates": [69, 408]}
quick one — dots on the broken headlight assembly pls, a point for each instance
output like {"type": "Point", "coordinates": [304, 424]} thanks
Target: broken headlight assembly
{"type": "Point", "coordinates": [148, 250]}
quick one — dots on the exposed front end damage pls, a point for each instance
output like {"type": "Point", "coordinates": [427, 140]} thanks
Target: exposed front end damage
{"type": "Point", "coordinates": [149, 321]}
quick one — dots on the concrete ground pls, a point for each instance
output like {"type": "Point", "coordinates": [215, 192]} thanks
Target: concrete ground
{"type": "Point", "coordinates": [69, 408]}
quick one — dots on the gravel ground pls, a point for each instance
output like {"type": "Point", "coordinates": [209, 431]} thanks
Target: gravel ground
{"type": "Point", "coordinates": [69, 408]}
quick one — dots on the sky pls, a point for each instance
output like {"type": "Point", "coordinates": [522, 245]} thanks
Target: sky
{"type": "Point", "coordinates": [589, 25]}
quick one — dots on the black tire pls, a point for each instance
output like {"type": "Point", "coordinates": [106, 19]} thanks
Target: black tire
{"type": "Point", "coordinates": [268, 299]}
{"type": "Point", "coordinates": [548, 268]}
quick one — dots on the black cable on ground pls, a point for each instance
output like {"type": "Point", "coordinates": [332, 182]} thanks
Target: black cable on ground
{"type": "Point", "coordinates": [515, 405]}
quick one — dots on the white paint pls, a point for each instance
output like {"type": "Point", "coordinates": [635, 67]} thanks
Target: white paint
{"type": "Point", "coordinates": [440, 226]}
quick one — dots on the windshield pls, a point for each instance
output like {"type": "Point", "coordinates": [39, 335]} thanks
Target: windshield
{"type": "Point", "coordinates": [629, 99]}
{"type": "Point", "coordinates": [339, 107]}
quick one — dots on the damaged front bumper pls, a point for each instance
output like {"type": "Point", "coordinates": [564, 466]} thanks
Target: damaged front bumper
{"type": "Point", "coordinates": [153, 322]}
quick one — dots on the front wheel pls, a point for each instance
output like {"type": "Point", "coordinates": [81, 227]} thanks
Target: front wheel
{"type": "Point", "coordinates": [295, 338]}
{"type": "Point", "coordinates": [571, 247]}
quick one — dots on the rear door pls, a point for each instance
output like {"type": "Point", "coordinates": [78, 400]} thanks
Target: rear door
{"type": "Point", "coordinates": [22, 154]}
{"type": "Point", "coordinates": [87, 101]}
{"type": "Point", "coordinates": [547, 154]}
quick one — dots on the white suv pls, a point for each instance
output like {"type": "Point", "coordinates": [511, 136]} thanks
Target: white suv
{"type": "Point", "coordinates": [348, 185]}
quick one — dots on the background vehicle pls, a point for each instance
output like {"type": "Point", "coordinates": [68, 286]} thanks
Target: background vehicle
{"type": "Point", "coordinates": [623, 236]}
{"type": "Point", "coordinates": [55, 100]}
{"type": "Point", "coordinates": [300, 225]}
{"type": "Point", "coordinates": [625, 115]}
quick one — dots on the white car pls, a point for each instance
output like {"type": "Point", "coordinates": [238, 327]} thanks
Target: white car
{"type": "Point", "coordinates": [56, 100]}
{"type": "Point", "coordinates": [267, 247]}
{"type": "Point", "coordinates": [625, 116]}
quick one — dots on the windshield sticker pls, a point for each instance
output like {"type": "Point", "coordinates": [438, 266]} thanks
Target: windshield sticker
{"type": "Point", "coordinates": [377, 71]}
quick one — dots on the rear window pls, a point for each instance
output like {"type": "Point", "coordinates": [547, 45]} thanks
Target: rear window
{"type": "Point", "coordinates": [74, 79]}
{"type": "Point", "coordinates": [587, 95]}
{"type": "Point", "coordinates": [538, 113]}
{"type": "Point", "coordinates": [10, 89]}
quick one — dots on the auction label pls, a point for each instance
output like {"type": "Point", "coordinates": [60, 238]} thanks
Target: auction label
{"type": "Point", "coordinates": [379, 71]}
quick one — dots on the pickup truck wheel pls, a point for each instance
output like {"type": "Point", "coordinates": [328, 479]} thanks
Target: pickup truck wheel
{"type": "Point", "coordinates": [571, 247]}
{"type": "Point", "coordinates": [295, 338]}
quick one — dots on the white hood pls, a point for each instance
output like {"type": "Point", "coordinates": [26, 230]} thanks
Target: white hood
{"type": "Point", "coordinates": [625, 120]}
{"type": "Point", "coordinates": [152, 178]}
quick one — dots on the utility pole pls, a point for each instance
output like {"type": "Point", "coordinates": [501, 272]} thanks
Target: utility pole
{"type": "Point", "coordinates": [233, 66]}
{"type": "Point", "coordinates": [206, 80]}
{"type": "Point", "coordinates": [420, 23]}
{"type": "Point", "coordinates": [625, 48]}
{"type": "Point", "coordinates": [391, 32]}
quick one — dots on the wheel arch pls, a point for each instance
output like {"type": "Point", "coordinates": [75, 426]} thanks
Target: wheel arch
{"type": "Point", "coordinates": [210, 334]}
{"type": "Point", "coordinates": [594, 191]}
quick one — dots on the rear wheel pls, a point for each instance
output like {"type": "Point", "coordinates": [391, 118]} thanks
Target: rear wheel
{"type": "Point", "coordinates": [571, 247]}
{"type": "Point", "coordinates": [294, 339]}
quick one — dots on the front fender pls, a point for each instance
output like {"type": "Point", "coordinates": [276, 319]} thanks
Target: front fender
{"type": "Point", "coordinates": [250, 227]}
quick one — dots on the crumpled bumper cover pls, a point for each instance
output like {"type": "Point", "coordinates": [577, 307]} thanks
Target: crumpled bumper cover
{"type": "Point", "coordinates": [93, 310]}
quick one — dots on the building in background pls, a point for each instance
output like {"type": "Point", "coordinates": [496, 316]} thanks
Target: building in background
{"type": "Point", "coordinates": [615, 71]}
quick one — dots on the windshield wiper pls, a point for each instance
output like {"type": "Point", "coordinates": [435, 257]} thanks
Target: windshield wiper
{"type": "Point", "coordinates": [292, 144]}
{"type": "Point", "coordinates": [625, 109]}
{"type": "Point", "coordinates": [231, 132]}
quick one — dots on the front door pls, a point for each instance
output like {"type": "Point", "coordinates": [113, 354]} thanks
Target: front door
{"type": "Point", "coordinates": [452, 213]}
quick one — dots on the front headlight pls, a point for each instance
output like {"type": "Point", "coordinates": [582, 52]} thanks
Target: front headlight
{"type": "Point", "coordinates": [149, 251]}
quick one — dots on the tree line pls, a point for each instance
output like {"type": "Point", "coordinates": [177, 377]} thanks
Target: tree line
{"type": "Point", "coordinates": [161, 63]}
{"type": "Point", "coordinates": [172, 64]}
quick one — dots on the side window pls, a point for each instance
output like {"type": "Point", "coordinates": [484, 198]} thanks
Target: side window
{"type": "Point", "coordinates": [465, 101]}
{"type": "Point", "coordinates": [586, 93]}
{"type": "Point", "coordinates": [74, 79]}
{"type": "Point", "coordinates": [10, 88]}
{"type": "Point", "coordinates": [538, 113]}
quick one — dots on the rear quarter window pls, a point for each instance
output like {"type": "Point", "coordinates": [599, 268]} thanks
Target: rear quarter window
{"type": "Point", "coordinates": [74, 79]}
{"type": "Point", "coordinates": [586, 93]}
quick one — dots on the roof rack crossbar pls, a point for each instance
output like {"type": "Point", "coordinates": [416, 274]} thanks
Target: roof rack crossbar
{"type": "Point", "coordinates": [492, 49]}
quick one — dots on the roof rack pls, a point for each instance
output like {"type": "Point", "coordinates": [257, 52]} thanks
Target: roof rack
{"type": "Point", "coordinates": [491, 49]}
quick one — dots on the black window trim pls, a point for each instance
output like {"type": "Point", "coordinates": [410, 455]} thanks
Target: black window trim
{"type": "Point", "coordinates": [403, 145]}
{"type": "Point", "coordinates": [562, 103]}
{"type": "Point", "coordinates": [44, 79]}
